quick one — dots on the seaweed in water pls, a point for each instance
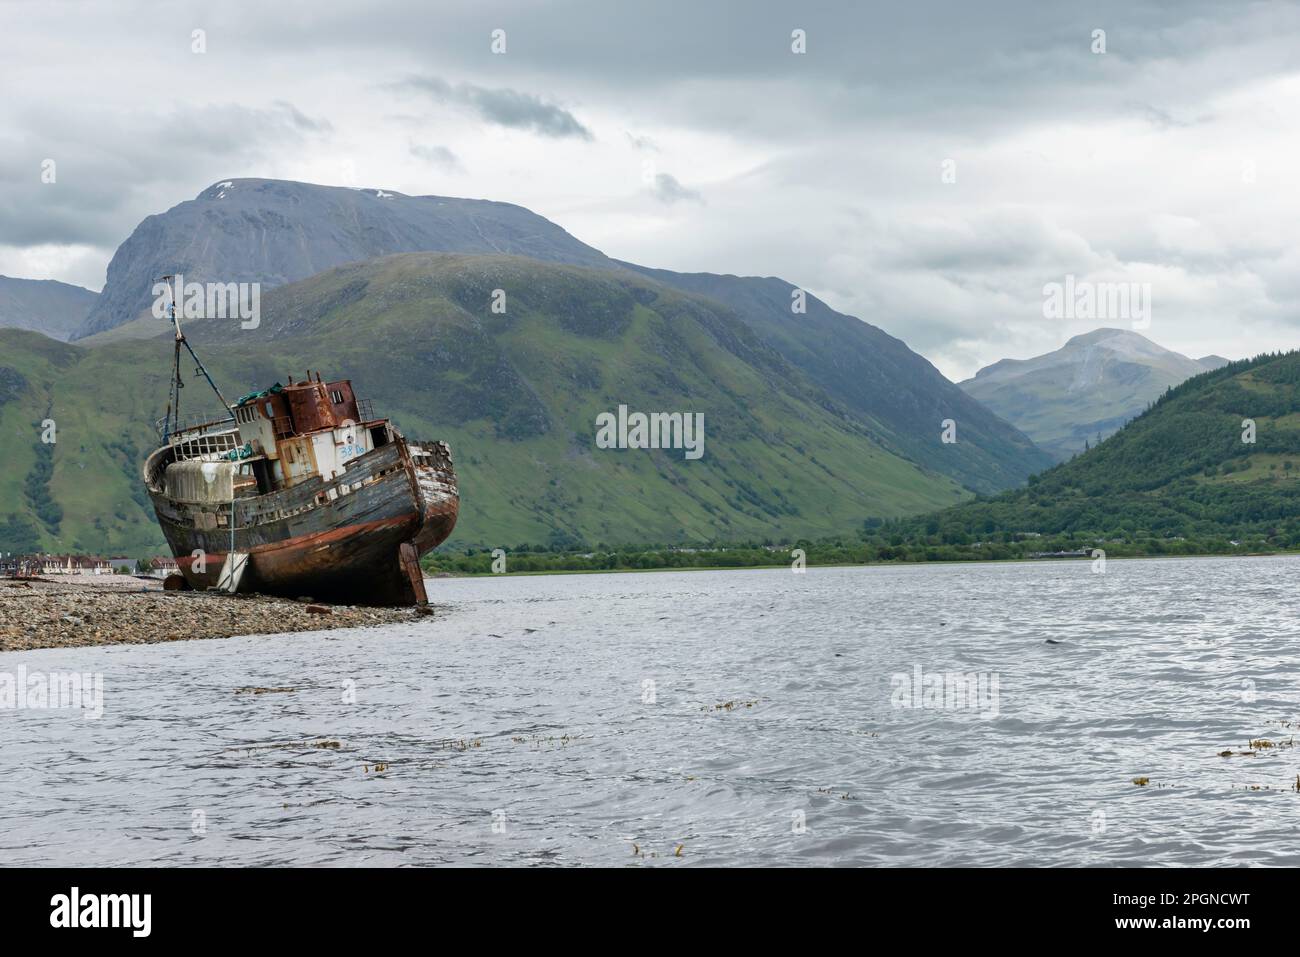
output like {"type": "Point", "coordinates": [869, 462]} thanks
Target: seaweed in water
{"type": "Point", "coordinates": [252, 690]}
{"type": "Point", "coordinates": [730, 705]}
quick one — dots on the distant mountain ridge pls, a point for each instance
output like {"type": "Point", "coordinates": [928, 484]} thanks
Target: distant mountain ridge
{"type": "Point", "coordinates": [1067, 399]}
{"type": "Point", "coordinates": [274, 232]}
{"type": "Point", "coordinates": [56, 309]}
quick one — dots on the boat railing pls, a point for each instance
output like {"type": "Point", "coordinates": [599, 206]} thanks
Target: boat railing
{"type": "Point", "coordinates": [366, 410]}
{"type": "Point", "coordinates": [194, 422]}
{"type": "Point", "coordinates": [208, 446]}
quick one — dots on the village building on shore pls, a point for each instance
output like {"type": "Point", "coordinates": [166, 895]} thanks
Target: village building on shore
{"type": "Point", "coordinates": [26, 566]}
{"type": "Point", "coordinates": [163, 566]}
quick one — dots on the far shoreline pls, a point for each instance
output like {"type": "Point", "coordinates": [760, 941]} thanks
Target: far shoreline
{"type": "Point", "coordinates": [99, 611]}
{"type": "Point", "coordinates": [1199, 556]}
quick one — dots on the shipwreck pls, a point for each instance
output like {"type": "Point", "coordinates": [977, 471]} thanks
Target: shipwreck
{"type": "Point", "coordinates": [298, 490]}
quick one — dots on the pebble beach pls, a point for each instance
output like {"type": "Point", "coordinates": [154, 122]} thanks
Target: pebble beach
{"type": "Point", "coordinates": [121, 609]}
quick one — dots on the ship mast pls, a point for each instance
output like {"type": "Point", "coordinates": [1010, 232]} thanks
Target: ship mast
{"type": "Point", "coordinates": [172, 421]}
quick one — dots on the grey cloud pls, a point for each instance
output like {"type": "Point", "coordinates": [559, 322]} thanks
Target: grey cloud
{"type": "Point", "coordinates": [438, 156]}
{"type": "Point", "coordinates": [503, 106]}
{"type": "Point", "coordinates": [298, 119]}
{"type": "Point", "coordinates": [667, 190]}
{"type": "Point", "coordinates": [642, 143]}
{"type": "Point", "coordinates": [1000, 240]}
{"type": "Point", "coordinates": [971, 66]}
{"type": "Point", "coordinates": [1158, 118]}
{"type": "Point", "coordinates": [115, 168]}
{"type": "Point", "coordinates": [787, 142]}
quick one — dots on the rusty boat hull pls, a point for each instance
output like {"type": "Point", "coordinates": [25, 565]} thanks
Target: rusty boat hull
{"type": "Point", "coordinates": [354, 539]}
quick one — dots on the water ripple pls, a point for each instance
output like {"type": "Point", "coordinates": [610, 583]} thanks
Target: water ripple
{"type": "Point", "coordinates": [730, 718]}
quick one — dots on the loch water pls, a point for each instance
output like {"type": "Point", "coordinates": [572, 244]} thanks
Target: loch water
{"type": "Point", "coordinates": [923, 715]}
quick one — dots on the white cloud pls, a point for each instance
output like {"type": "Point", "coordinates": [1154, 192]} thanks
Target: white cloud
{"type": "Point", "coordinates": [1168, 160]}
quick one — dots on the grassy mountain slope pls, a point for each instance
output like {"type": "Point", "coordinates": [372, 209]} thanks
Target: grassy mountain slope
{"type": "Point", "coordinates": [898, 393]}
{"type": "Point", "coordinates": [1179, 469]}
{"type": "Point", "coordinates": [276, 232]}
{"type": "Point", "coordinates": [77, 493]}
{"type": "Point", "coordinates": [516, 395]}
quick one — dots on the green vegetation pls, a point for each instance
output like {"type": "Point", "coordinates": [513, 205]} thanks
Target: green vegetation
{"type": "Point", "coordinates": [1178, 480]}
{"type": "Point", "coordinates": [1179, 473]}
{"type": "Point", "coordinates": [877, 380]}
{"type": "Point", "coordinates": [36, 488]}
{"type": "Point", "coordinates": [872, 551]}
{"type": "Point", "coordinates": [18, 535]}
{"type": "Point", "coordinates": [516, 395]}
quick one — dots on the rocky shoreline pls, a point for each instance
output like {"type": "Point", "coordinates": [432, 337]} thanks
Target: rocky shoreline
{"type": "Point", "coordinates": [122, 609]}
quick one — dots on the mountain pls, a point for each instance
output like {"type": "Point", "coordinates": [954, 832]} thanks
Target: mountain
{"type": "Point", "coordinates": [1087, 389]}
{"type": "Point", "coordinates": [516, 394]}
{"type": "Point", "coordinates": [1181, 471]}
{"type": "Point", "coordinates": [898, 394]}
{"type": "Point", "coordinates": [56, 309]}
{"type": "Point", "coordinates": [273, 232]}
{"type": "Point", "coordinates": [276, 232]}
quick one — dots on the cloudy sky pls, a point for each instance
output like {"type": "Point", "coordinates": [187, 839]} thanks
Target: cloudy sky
{"type": "Point", "coordinates": [689, 135]}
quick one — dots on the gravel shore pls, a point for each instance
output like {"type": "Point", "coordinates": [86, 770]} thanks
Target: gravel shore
{"type": "Point", "coordinates": [122, 609]}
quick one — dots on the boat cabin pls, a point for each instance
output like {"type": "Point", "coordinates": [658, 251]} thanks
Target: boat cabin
{"type": "Point", "coordinates": [304, 429]}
